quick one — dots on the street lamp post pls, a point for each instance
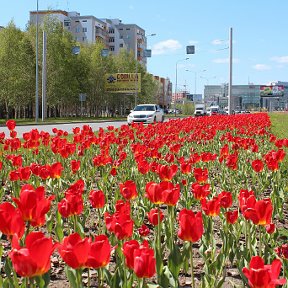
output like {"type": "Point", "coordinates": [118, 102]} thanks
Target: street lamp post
{"type": "Point", "coordinates": [195, 79]}
{"type": "Point", "coordinates": [176, 79]}
{"type": "Point", "coordinates": [207, 79]}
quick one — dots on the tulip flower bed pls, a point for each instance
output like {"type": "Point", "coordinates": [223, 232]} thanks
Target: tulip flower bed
{"type": "Point", "coordinates": [195, 201]}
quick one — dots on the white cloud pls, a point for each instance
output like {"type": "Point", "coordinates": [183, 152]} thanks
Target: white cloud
{"type": "Point", "coordinates": [224, 60]}
{"type": "Point", "coordinates": [261, 67]}
{"type": "Point", "coordinates": [218, 42]}
{"type": "Point", "coordinates": [166, 47]}
{"type": "Point", "coordinates": [280, 59]}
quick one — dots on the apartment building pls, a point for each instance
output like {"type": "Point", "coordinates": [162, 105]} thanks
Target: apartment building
{"type": "Point", "coordinates": [89, 29]}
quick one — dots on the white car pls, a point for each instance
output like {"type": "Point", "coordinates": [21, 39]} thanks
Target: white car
{"type": "Point", "coordinates": [146, 113]}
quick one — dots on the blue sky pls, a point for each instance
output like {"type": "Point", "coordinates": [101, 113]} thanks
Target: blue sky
{"type": "Point", "coordinates": [260, 42]}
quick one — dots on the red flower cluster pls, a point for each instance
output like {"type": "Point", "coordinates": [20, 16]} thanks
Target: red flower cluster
{"type": "Point", "coordinates": [163, 193]}
{"type": "Point", "coordinates": [140, 258]}
{"type": "Point", "coordinates": [120, 223]}
{"type": "Point", "coordinates": [33, 204]}
{"type": "Point", "coordinates": [261, 275]}
{"type": "Point", "coordinates": [77, 252]}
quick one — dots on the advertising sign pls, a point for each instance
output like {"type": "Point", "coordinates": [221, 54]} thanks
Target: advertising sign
{"type": "Point", "coordinates": [271, 91]}
{"type": "Point", "coordinates": [123, 82]}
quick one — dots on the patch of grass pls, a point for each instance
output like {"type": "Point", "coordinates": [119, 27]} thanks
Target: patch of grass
{"type": "Point", "coordinates": [62, 120]}
{"type": "Point", "coordinates": [279, 125]}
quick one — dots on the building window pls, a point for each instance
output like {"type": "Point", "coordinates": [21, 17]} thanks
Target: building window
{"type": "Point", "coordinates": [111, 31]}
{"type": "Point", "coordinates": [84, 29]}
{"type": "Point", "coordinates": [112, 48]}
{"type": "Point", "coordinates": [84, 39]}
{"type": "Point", "coordinates": [127, 29]}
{"type": "Point", "coordinates": [121, 45]}
{"type": "Point", "coordinates": [111, 39]}
{"type": "Point", "coordinates": [84, 20]}
{"type": "Point", "coordinates": [67, 23]}
{"type": "Point", "coordinates": [77, 29]}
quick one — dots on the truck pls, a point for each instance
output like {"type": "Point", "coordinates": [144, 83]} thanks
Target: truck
{"type": "Point", "coordinates": [200, 109]}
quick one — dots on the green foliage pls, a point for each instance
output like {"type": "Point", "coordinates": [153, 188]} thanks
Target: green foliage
{"type": "Point", "coordinates": [68, 75]}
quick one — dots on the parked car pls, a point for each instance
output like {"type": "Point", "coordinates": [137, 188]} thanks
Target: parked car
{"type": "Point", "coordinates": [146, 113]}
{"type": "Point", "coordinates": [213, 110]}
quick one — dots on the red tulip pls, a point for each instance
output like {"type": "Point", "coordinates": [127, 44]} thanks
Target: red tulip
{"type": "Point", "coordinates": [144, 230]}
{"type": "Point", "coordinates": [232, 216]}
{"type": "Point", "coordinates": [140, 258]}
{"type": "Point", "coordinates": [260, 213]}
{"type": "Point", "coordinates": [97, 198]}
{"type": "Point", "coordinates": [99, 254]}
{"type": "Point", "coordinates": [72, 204]}
{"type": "Point", "coordinates": [226, 199]}
{"type": "Point", "coordinates": [128, 251]}
{"type": "Point", "coordinates": [260, 275]}
{"type": "Point", "coordinates": [200, 191]}
{"type": "Point", "coordinates": [191, 225]}
{"type": "Point", "coordinates": [11, 221]}
{"type": "Point", "coordinates": [154, 193]}
{"type": "Point", "coordinates": [211, 207]}
{"type": "Point", "coordinates": [75, 165]}
{"type": "Point", "coordinates": [270, 228]}
{"type": "Point", "coordinates": [56, 170]}
{"type": "Point", "coordinates": [153, 216]}
{"type": "Point", "coordinates": [120, 223]}
{"type": "Point", "coordinates": [74, 250]}
{"type": "Point", "coordinates": [128, 190]}
{"type": "Point", "coordinates": [257, 165]}
{"type": "Point", "coordinates": [282, 251]}
{"type": "Point", "coordinates": [201, 175]}
{"type": "Point", "coordinates": [33, 204]}
{"type": "Point", "coordinates": [166, 173]}
{"type": "Point", "coordinates": [144, 261]}
{"type": "Point", "coordinates": [33, 259]}
{"type": "Point", "coordinates": [11, 124]}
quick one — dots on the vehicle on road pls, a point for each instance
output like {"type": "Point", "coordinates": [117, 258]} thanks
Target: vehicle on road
{"type": "Point", "coordinates": [214, 110]}
{"type": "Point", "coordinates": [200, 109]}
{"type": "Point", "coordinates": [146, 113]}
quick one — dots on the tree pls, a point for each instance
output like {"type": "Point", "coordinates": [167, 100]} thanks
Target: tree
{"type": "Point", "coordinates": [16, 70]}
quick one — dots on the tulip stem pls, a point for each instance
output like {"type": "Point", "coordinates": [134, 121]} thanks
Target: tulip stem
{"type": "Point", "coordinates": [192, 268]}
{"type": "Point", "coordinates": [99, 277]}
{"type": "Point", "coordinates": [88, 278]}
{"type": "Point", "coordinates": [260, 242]}
{"type": "Point", "coordinates": [159, 240]}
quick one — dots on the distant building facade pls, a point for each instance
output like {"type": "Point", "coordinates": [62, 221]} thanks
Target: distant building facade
{"type": "Point", "coordinates": [164, 93]}
{"type": "Point", "coordinates": [245, 96]}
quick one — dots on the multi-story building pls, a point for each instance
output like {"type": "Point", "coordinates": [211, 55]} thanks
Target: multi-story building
{"type": "Point", "coordinates": [89, 29]}
{"type": "Point", "coordinates": [85, 29]}
{"type": "Point", "coordinates": [245, 96]}
{"type": "Point", "coordinates": [164, 93]}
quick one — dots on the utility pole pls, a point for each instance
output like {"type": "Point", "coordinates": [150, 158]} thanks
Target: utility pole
{"type": "Point", "coordinates": [44, 77]}
{"type": "Point", "coordinates": [230, 97]}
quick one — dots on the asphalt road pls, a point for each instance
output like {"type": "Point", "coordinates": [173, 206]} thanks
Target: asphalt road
{"type": "Point", "coordinates": [65, 127]}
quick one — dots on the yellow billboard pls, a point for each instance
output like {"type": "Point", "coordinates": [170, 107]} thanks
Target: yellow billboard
{"type": "Point", "coordinates": [123, 82]}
